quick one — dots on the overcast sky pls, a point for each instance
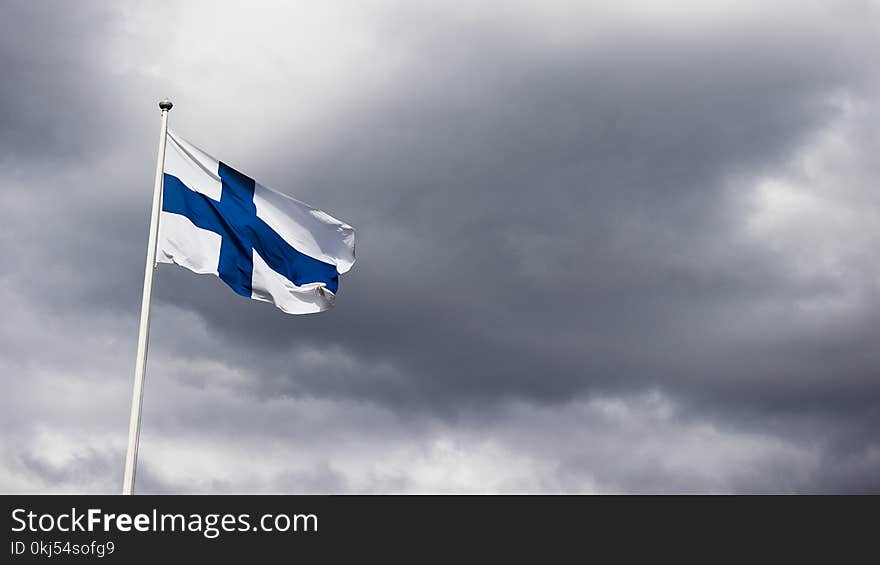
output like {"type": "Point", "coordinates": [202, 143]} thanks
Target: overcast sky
{"type": "Point", "coordinates": [602, 247]}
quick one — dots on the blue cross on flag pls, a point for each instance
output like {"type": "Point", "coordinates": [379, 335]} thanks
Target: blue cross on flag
{"type": "Point", "coordinates": [263, 244]}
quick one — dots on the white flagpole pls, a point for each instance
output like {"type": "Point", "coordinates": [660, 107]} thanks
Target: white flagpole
{"type": "Point", "coordinates": [137, 392]}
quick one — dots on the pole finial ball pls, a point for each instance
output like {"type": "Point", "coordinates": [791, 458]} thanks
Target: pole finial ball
{"type": "Point", "coordinates": [165, 104]}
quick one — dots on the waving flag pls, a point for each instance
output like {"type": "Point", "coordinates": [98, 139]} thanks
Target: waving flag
{"type": "Point", "coordinates": [263, 244]}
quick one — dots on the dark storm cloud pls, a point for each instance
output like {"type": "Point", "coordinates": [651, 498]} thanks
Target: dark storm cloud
{"type": "Point", "coordinates": [545, 221]}
{"type": "Point", "coordinates": [576, 198]}
{"type": "Point", "coordinates": [59, 99]}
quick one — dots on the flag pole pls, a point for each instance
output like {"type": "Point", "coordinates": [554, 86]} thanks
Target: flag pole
{"type": "Point", "coordinates": [137, 392]}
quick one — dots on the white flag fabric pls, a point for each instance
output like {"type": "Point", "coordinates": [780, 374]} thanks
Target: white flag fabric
{"type": "Point", "coordinates": [263, 244]}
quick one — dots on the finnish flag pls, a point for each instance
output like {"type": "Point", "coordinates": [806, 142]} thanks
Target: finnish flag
{"type": "Point", "coordinates": [263, 244]}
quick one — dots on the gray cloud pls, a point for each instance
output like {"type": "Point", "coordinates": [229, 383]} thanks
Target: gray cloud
{"type": "Point", "coordinates": [600, 249]}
